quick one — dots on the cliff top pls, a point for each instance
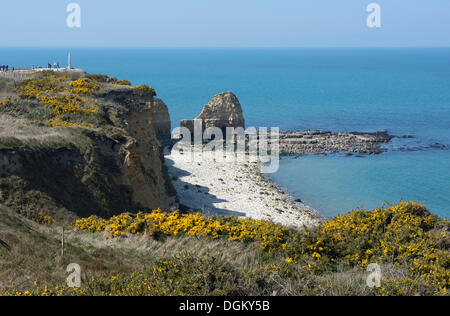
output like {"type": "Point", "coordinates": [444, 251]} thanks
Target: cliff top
{"type": "Point", "coordinates": [32, 105]}
{"type": "Point", "coordinates": [73, 143]}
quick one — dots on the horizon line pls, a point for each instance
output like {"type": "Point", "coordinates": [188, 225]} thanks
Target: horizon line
{"type": "Point", "coordinates": [221, 47]}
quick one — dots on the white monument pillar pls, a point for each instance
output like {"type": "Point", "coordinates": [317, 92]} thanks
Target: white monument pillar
{"type": "Point", "coordinates": [70, 62]}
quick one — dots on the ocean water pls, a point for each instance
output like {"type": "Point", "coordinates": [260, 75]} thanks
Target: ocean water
{"type": "Point", "coordinates": [405, 91]}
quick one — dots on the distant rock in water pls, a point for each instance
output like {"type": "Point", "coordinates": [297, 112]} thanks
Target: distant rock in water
{"type": "Point", "coordinates": [224, 110]}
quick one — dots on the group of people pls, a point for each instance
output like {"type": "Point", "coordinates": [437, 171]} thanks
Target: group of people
{"type": "Point", "coordinates": [5, 68]}
{"type": "Point", "coordinates": [55, 65]}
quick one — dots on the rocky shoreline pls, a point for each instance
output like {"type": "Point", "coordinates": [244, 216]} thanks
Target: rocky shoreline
{"type": "Point", "coordinates": [240, 189]}
{"type": "Point", "coordinates": [234, 188]}
{"type": "Point", "coordinates": [321, 142]}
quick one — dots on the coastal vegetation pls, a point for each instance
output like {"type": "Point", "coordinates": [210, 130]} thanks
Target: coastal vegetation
{"type": "Point", "coordinates": [51, 99]}
{"type": "Point", "coordinates": [88, 158]}
{"type": "Point", "coordinates": [65, 99]}
{"type": "Point", "coordinates": [409, 243]}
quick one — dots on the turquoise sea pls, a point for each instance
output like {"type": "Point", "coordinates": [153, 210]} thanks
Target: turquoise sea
{"type": "Point", "coordinates": [405, 91]}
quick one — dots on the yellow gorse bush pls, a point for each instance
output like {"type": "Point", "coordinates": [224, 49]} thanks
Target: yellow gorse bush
{"type": "Point", "coordinates": [182, 275]}
{"type": "Point", "coordinates": [46, 291]}
{"type": "Point", "coordinates": [121, 82]}
{"type": "Point", "coordinates": [268, 235]}
{"type": "Point", "coordinates": [53, 123]}
{"type": "Point", "coordinates": [404, 234]}
{"type": "Point", "coordinates": [39, 217]}
{"type": "Point", "coordinates": [62, 98]}
{"type": "Point", "coordinates": [84, 86]}
{"type": "Point", "coordinates": [5, 102]}
{"type": "Point", "coordinates": [145, 90]}
{"type": "Point", "coordinates": [36, 87]}
{"type": "Point", "coordinates": [72, 102]}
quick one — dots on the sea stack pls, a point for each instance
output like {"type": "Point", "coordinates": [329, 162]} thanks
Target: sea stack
{"type": "Point", "coordinates": [224, 110]}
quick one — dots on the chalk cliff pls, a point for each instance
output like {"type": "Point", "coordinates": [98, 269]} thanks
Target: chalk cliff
{"type": "Point", "coordinates": [113, 165]}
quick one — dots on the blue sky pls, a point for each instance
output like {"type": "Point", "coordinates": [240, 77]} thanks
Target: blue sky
{"type": "Point", "coordinates": [229, 23]}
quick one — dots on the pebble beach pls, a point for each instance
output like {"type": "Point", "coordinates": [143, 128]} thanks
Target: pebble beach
{"type": "Point", "coordinates": [233, 188]}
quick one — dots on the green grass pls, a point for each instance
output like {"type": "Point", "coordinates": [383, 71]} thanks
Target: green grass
{"type": "Point", "coordinates": [205, 267]}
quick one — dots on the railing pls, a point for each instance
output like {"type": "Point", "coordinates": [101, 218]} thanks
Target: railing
{"type": "Point", "coordinates": [16, 74]}
{"type": "Point", "coordinates": [20, 74]}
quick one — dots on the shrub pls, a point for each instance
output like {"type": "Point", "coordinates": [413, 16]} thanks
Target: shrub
{"type": "Point", "coordinates": [84, 86]}
{"type": "Point", "coordinates": [268, 235]}
{"type": "Point", "coordinates": [145, 91]}
{"type": "Point", "coordinates": [121, 82]}
{"type": "Point", "coordinates": [410, 244]}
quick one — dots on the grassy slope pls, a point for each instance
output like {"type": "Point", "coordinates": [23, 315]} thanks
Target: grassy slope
{"type": "Point", "coordinates": [35, 256]}
{"type": "Point", "coordinates": [35, 253]}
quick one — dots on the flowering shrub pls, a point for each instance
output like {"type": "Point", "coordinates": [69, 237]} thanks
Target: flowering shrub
{"type": "Point", "coordinates": [51, 91]}
{"type": "Point", "coordinates": [5, 102]}
{"type": "Point", "coordinates": [41, 217]}
{"type": "Point", "coordinates": [45, 291]}
{"type": "Point", "coordinates": [182, 275]}
{"type": "Point", "coordinates": [84, 86]}
{"type": "Point", "coordinates": [405, 238]}
{"type": "Point", "coordinates": [70, 100]}
{"type": "Point", "coordinates": [121, 82]}
{"type": "Point", "coordinates": [404, 234]}
{"type": "Point", "coordinates": [145, 91]}
{"type": "Point", "coordinates": [67, 104]}
{"type": "Point", "coordinates": [53, 123]}
{"type": "Point", "coordinates": [268, 235]}
{"type": "Point", "coordinates": [34, 88]}
{"type": "Point", "coordinates": [99, 78]}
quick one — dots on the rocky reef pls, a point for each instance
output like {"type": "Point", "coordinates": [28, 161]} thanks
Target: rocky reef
{"type": "Point", "coordinates": [224, 110]}
{"type": "Point", "coordinates": [320, 142]}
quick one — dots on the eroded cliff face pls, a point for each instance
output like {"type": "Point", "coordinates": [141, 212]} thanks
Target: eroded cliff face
{"type": "Point", "coordinates": [142, 156]}
{"type": "Point", "coordinates": [161, 120]}
{"type": "Point", "coordinates": [100, 171]}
